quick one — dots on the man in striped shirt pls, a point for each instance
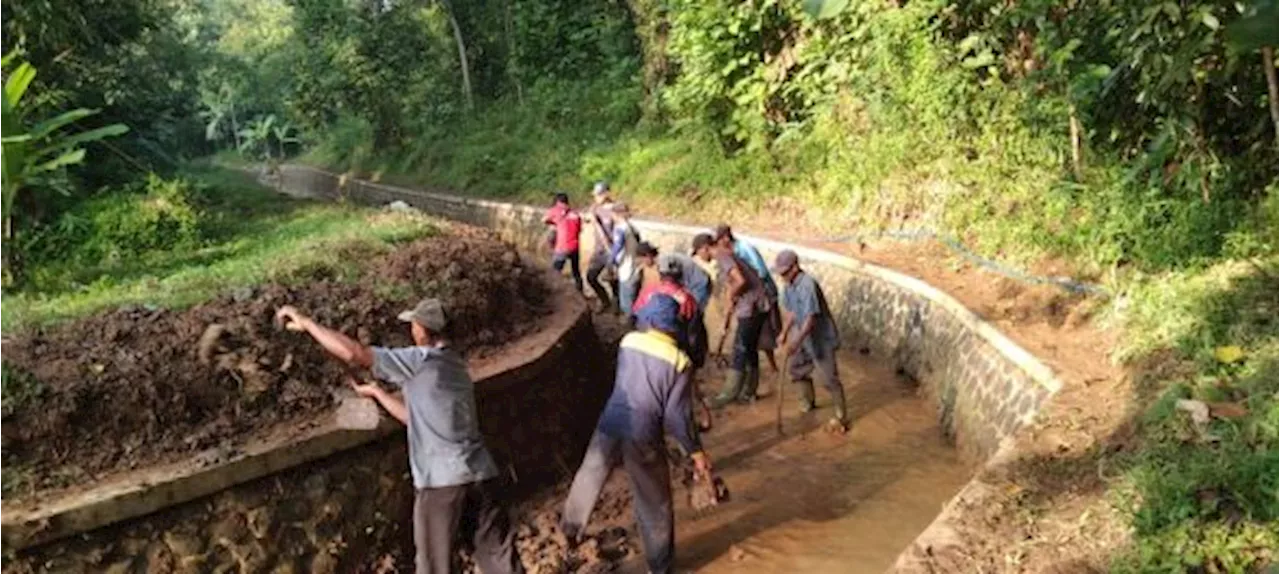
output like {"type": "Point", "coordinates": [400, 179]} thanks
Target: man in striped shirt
{"type": "Point", "coordinates": [650, 395]}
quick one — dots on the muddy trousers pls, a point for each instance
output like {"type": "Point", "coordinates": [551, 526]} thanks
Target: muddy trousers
{"type": "Point", "coordinates": [559, 259]}
{"type": "Point", "coordinates": [437, 516]}
{"type": "Point", "coordinates": [646, 465]}
{"type": "Point", "coordinates": [801, 366]}
{"type": "Point", "coordinates": [598, 263]}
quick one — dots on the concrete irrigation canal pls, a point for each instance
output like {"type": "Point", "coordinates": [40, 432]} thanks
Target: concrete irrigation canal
{"type": "Point", "coordinates": [933, 391]}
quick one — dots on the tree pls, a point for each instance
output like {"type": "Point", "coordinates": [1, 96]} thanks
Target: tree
{"type": "Point", "coordinates": [36, 153]}
{"type": "Point", "coordinates": [1256, 30]}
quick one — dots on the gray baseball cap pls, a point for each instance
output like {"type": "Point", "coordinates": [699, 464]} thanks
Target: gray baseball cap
{"type": "Point", "coordinates": [669, 265]}
{"type": "Point", "coordinates": [429, 313]}
{"type": "Point", "coordinates": [600, 188]}
{"type": "Point", "coordinates": [785, 260]}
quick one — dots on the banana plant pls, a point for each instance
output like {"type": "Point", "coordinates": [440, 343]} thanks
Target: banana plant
{"type": "Point", "coordinates": [36, 153]}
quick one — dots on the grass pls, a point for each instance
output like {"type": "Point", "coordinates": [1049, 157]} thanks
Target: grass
{"type": "Point", "coordinates": [250, 235]}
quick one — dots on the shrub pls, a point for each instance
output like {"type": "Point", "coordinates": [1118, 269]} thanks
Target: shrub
{"type": "Point", "coordinates": [157, 214]}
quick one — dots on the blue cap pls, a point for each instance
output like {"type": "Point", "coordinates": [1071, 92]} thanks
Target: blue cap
{"type": "Point", "coordinates": [662, 312]}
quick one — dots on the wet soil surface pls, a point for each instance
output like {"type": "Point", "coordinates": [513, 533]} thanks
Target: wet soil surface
{"type": "Point", "coordinates": [138, 386]}
{"type": "Point", "coordinates": [807, 501]}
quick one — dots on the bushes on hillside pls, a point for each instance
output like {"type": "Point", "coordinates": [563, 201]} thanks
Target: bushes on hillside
{"type": "Point", "coordinates": [121, 223]}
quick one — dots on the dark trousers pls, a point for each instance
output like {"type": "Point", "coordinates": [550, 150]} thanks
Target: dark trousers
{"type": "Point", "coordinates": [599, 261]}
{"type": "Point", "coordinates": [559, 259]}
{"type": "Point", "coordinates": [646, 465]}
{"type": "Point", "coordinates": [437, 514]}
{"type": "Point", "coordinates": [746, 342]}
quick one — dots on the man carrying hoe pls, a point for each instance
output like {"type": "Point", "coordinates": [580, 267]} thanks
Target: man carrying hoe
{"type": "Point", "coordinates": [815, 342]}
{"type": "Point", "coordinates": [453, 472]}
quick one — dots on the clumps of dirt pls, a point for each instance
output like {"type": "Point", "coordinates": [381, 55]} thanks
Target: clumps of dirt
{"type": "Point", "coordinates": [1031, 303]}
{"type": "Point", "coordinates": [139, 386]}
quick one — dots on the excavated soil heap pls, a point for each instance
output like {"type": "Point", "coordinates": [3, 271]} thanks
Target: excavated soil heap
{"type": "Point", "coordinates": [136, 386]}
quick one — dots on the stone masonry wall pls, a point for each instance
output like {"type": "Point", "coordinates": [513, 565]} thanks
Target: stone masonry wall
{"type": "Point", "coordinates": [328, 515]}
{"type": "Point", "coordinates": [984, 386]}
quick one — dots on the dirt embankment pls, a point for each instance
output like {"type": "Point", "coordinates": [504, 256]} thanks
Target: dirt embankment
{"type": "Point", "coordinates": [138, 386]}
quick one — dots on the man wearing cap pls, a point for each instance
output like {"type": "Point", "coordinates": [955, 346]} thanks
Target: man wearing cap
{"type": "Point", "coordinates": [692, 334]}
{"type": "Point", "coordinates": [626, 240]}
{"type": "Point", "coordinates": [602, 229]}
{"type": "Point", "coordinates": [813, 347]}
{"type": "Point", "coordinates": [749, 305]}
{"type": "Point", "coordinates": [751, 256]}
{"type": "Point", "coordinates": [650, 394]}
{"type": "Point", "coordinates": [644, 275]}
{"type": "Point", "coordinates": [567, 225]}
{"type": "Point", "coordinates": [453, 472]}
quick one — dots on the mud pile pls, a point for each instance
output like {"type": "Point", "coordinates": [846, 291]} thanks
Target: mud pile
{"type": "Point", "coordinates": [138, 386]}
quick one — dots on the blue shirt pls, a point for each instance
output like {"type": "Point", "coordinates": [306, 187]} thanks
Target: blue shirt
{"type": "Point", "coordinates": [695, 280]}
{"type": "Point", "coordinates": [651, 392]}
{"type": "Point", "coordinates": [445, 445]}
{"type": "Point", "coordinates": [803, 299]}
{"type": "Point", "coordinates": [749, 254]}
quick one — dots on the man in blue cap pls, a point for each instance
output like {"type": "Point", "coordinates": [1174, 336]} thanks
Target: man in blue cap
{"type": "Point", "coordinates": [650, 394]}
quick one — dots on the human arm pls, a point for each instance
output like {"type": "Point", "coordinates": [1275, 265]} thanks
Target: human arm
{"type": "Point", "coordinates": [678, 419]}
{"type": "Point", "coordinates": [393, 404]}
{"type": "Point", "coordinates": [345, 348]}
{"type": "Point", "coordinates": [619, 243]}
{"type": "Point", "coordinates": [736, 282]}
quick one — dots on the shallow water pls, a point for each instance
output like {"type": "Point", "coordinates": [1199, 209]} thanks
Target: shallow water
{"type": "Point", "coordinates": [814, 502]}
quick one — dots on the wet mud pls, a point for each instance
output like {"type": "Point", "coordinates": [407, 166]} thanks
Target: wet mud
{"type": "Point", "coordinates": [140, 386]}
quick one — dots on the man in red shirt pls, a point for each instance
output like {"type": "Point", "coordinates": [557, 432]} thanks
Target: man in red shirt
{"type": "Point", "coordinates": [567, 225]}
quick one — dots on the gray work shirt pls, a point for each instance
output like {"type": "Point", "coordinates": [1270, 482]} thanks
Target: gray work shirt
{"type": "Point", "coordinates": [803, 298]}
{"type": "Point", "coordinates": [445, 445]}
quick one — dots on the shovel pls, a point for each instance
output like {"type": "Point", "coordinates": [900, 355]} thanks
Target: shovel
{"type": "Point", "coordinates": [782, 385]}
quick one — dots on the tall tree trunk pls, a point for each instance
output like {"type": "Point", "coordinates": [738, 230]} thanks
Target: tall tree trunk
{"type": "Point", "coordinates": [462, 53]}
{"type": "Point", "coordinates": [1269, 68]}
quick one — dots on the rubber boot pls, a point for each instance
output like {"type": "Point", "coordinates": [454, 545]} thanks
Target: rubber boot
{"type": "Point", "coordinates": [750, 384]}
{"type": "Point", "coordinates": [807, 399]}
{"type": "Point", "coordinates": [728, 392]}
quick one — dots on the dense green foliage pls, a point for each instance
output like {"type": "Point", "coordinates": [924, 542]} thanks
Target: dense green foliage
{"type": "Point", "coordinates": [175, 242]}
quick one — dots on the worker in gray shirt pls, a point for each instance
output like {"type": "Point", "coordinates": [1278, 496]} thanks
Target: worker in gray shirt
{"type": "Point", "coordinates": [813, 347]}
{"type": "Point", "coordinates": [453, 472]}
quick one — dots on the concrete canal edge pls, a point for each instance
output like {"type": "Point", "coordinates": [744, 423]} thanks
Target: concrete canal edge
{"type": "Point", "coordinates": [984, 386]}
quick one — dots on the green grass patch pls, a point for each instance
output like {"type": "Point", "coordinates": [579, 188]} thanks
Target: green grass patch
{"type": "Point", "coordinates": [1204, 498]}
{"type": "Point", "coordinates": [239, 234]}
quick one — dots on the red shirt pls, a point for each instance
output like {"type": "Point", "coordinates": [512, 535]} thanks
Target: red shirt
{"type": "Point", "coordinates": [568, 226]}
{"type": "Point", "coordinates": [688, 305]}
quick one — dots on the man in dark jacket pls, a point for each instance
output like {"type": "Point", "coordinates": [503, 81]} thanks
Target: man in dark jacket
{"type": "Point", "coordinates": [650, 394]}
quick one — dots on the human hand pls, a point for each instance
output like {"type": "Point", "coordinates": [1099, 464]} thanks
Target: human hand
{"type": "Point", "coordinates": [290, 318]}
{"type": "Point", "coordinates": [369, 390]}
{"type": "Point", "coordinates": [701, 465]}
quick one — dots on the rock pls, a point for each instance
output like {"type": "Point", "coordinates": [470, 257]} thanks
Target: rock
{"type": "Point", "coordinates": [400, 206]}
{"type": "Point", "coordinates": [323, 563]}
{"type": "Point", "coordinates": [736, 553]}
{"type": "Point", "coordinates": [1197, 409]}
{"type": "Point", "coordinates": [159, 559]}
{"type": "Point", "coordinates": [229, 529]}
{"type": "Point", "coordinates": [252, 557]}
{"type": "Point", "coordinates": [122, 567]}
{"type": "Point", "coordinates": [358, 413]}
{"type": "Point", "coordinates": [184, 544]}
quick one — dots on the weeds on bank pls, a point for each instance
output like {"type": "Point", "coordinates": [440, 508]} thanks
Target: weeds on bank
{"type": "Point", "coordinates": [1204, 496]}
{"type": "Point", "coordinates": [238, 234]}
